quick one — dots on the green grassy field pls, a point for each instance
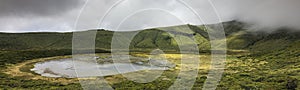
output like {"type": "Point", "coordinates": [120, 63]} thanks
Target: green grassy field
{"type": "Point", "coordinates": [255, 60]}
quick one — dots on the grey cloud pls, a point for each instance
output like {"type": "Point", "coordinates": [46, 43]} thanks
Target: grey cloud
{"type": "Point", "coordinates": [22, 8]}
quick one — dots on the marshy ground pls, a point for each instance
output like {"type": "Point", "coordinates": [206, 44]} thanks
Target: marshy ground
{"type": "Point", "coordinates": [241, 72]}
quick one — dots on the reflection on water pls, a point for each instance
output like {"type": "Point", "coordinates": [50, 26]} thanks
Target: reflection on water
{"type": "Point", "coordinates": [65, 68]}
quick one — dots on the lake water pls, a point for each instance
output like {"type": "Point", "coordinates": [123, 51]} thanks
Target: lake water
{"type": "Point", "coordinates": [65, 68]}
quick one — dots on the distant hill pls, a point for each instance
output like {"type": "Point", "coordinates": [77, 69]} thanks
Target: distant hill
{"type": "Point", "coordinates": [237, 38]}
{"type": "Point", "coordinates": [145, 39]}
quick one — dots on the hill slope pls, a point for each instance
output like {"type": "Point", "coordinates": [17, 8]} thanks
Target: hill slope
{"type": "Point", "coordinates": [163, 38]}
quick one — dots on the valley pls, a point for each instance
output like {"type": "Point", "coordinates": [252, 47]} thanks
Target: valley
{"type": "Point", "coordinates": [254, 60]}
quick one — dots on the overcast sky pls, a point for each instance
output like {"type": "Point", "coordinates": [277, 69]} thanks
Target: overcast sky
{"type": "Point", "coordinates": [62, 15]}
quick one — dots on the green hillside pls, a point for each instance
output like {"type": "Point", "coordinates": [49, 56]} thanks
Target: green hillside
{"type": "Point", "coordinates": [150, 38]}
{"type": "Point", "coordinates": [238, 38]}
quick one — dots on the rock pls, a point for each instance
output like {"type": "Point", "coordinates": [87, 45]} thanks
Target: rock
{"type": "Point", "coordinates": [166, 79]}
{"type": "Point", "coordinates": [96, 57]}
{"type": "Point", "coordinates": [140, 63]}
